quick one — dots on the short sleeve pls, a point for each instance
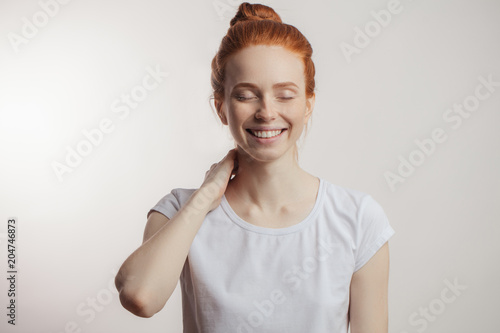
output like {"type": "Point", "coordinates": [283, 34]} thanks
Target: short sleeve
{"type": "Point", "coordinates": [168, 205]}
{"type": "Point", "coordinates": [372, 231]}
{"type": "Point", "coordinates": [171, 203]}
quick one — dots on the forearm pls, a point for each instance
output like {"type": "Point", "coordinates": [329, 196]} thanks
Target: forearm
{"type": "Point", "coordinates": [148, 277]}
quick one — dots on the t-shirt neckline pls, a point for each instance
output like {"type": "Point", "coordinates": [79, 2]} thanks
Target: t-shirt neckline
{"type": "Point", "coordinates": [275, 231]}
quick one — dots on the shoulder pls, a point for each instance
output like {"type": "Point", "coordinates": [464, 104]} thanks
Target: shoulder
{"type": "Point", "coordinates": [345, 198]}
{"type": "Point", "coordinates": [182, 194]}
{"type": "Point", "coordinates": [358, 208]}
{"type": "Point", "coordinates": [172, 201]}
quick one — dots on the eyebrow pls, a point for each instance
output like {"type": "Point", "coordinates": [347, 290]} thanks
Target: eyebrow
{"type": "Point", "coordinates": [276, 85]}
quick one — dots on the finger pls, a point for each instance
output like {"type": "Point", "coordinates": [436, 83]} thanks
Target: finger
{"type": "Point", "coordinates": [231, 155]}
{"type": "Point", "coordinates": [236, 163]}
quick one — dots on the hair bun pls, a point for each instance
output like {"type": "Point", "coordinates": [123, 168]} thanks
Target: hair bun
{"type": "Point", "coordinates": [254, 12]}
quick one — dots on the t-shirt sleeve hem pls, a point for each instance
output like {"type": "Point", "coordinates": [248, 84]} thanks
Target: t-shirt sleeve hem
{"type": "Point", "coordinates": [168, 205]}
{"type": "Point", "coordinates": [370, 252]}
{"type": "Point", "coordinates": [161, 210]}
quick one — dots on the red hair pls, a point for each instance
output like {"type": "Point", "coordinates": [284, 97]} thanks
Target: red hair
{"type": "Point", "coordinates": [256, 24]}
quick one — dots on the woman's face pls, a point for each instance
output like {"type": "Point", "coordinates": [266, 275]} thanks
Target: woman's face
{"type": "Point", "coordinates": [265, 105]}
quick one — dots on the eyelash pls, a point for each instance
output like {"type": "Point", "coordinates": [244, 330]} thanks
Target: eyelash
{"type": "Point", "coordinates": [242, 99]}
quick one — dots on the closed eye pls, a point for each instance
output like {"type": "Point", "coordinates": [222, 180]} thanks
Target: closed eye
{"type": "Point", "coordinates": [242, 98]}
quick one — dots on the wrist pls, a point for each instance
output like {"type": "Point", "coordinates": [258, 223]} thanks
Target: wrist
{"type": "Point", "coordinates": [201, 201]}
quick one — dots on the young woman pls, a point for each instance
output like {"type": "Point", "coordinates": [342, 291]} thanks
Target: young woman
{"type": "Point", "coordinates": [262, 245]}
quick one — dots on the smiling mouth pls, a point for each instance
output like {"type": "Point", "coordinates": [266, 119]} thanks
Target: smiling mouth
{"type": "Point", "coordinates": [266, 134]}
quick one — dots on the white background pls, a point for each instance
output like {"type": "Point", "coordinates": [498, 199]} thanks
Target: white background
{"type": "Point", "coordinates": [74, 234]}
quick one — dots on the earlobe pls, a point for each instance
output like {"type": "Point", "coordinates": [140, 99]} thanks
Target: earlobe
{"type": "Point", "coordinates": [220, 111]}
{"type": "Point", "coordinates": [309, 107]}
{"type": "Point", "coordinates": [223, 119]}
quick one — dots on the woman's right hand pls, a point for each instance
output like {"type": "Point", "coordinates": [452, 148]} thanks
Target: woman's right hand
{"type": "Point", "coordinates": [217, 178]}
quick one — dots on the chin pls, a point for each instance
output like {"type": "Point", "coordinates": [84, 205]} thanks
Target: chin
{"type": "Point", "coordinates": [263, 155]}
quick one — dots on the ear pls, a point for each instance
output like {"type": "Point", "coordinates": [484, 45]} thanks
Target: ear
{"type": "Point", "coordinates": [309, 107]}
{"type": "Point", "coordinates": [219, 106]}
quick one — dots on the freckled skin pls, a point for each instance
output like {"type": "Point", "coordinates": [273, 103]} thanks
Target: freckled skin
{"type": "Point", "coordinates": [264, 104]}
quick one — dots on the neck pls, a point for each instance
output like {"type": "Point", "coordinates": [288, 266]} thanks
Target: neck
{"type": "Point", "coordinates": [269, 185]}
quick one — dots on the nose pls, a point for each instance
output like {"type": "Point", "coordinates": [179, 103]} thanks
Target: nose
{"type": "Point", "coordinates": [266, 110]}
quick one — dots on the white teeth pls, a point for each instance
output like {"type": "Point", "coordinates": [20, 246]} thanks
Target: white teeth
{"type": "Point", "coordinates": [266, 134]}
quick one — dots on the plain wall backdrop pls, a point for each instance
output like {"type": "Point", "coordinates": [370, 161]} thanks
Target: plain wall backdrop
{"type": "Point", "coordinates": [413, 97]}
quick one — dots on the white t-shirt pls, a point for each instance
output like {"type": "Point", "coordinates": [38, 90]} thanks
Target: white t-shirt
{"type": "Point", "coordinates": [241, 278]}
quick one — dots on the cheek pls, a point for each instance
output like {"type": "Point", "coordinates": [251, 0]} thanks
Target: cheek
{"type": "Point", "coordinates": [235, 121]}
{"type": "Point", "coordinates": [297, 112]}
{"type": "Point", "coordinates": [299, 121]}
{"type": "Point", "coordinates": [238, 114]}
